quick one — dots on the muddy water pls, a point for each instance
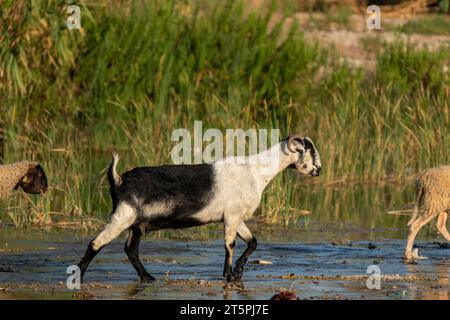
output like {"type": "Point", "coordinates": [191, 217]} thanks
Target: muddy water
{"type": "Point", "coordinates": [324, 255]}
{"type": "Point", "coordinates": [34, 266]}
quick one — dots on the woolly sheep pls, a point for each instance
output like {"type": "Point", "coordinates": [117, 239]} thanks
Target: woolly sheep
{"type": "Point", "coordinates": [26, 174]}
{"type": "Point", "coordinates": [433, 197]}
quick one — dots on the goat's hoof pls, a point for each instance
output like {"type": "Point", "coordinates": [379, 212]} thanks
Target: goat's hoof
{"type": "Point", "coordinates": [233, 278]}
{"type": "Point", "coordinates": [147, 279]}
{"type": "Point", "coordinates": [236, 285]}
{"type": "Point", "coordinates": [238, 273]}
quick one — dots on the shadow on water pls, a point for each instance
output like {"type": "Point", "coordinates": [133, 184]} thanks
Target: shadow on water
{"type": "Point", "coordinates": [324, 255]}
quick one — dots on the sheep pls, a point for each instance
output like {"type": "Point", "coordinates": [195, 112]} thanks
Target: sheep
{"type": "Point", "coordinates": [433, 196]}
{"type": "Point", "coordinates": [25, 174]}
{"type": "Point", "coordinates": [146, 199]}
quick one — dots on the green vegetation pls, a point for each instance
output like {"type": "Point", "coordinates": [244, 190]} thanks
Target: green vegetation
{"type": "Point", "coordinates": [331, 19]}
{"type": "Point", "coordinates": [444, 6]}
{"type": "Point", "coordinates": [436, 24]}
{"type": "Point", "coordinates": [139, 70]}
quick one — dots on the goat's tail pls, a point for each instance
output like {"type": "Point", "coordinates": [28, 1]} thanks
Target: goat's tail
{"type": "Point", "coordinates": [114, 179]}
{"type": "Point", "coordinates": [419, 197]}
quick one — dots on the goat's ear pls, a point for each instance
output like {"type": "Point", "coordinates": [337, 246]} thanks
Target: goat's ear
{"type": "Point", "coordinates": [310, 145]}
{"type": "Point", "coordinates": [307, 142]}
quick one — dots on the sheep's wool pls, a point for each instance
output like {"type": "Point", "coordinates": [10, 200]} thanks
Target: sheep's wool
{"type": "Point", "coordinates": [436, 185]}
{"type": "Point", "coordinates": [10, 175]}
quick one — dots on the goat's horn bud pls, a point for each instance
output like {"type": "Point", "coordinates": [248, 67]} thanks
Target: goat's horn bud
{"type": "Point", "coordinates": [291, 140]}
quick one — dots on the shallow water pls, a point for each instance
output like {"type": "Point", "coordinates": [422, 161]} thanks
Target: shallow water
{"type": "Point", "coordinates": [33, 265]}
{"type": "Point", "coordinates": [307, 257]}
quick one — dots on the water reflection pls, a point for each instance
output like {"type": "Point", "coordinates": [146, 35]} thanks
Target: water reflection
{"type": "Point", "coordinates": [359, 203]}
{"type": "Point", "coordinates": [433, 290]}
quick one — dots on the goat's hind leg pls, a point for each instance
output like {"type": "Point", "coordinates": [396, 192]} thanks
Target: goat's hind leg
{"type": "Point", "coordinates": [245, 234]}
{"type": "Point", "coordinates": [87, 258]}
{"type": "Point", "coordinates": [121, 220]}
{"type": "Point", "coordinates": [440, 225]}
{"type": "Point", "coordinates": [131, 249]}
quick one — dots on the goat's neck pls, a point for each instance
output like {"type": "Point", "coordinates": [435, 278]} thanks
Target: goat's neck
{"type": "Point", "coordinates": [280, 158]}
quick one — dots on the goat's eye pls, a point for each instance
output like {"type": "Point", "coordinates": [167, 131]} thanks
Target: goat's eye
{"type": "Point", "coordinates": [301, 155]}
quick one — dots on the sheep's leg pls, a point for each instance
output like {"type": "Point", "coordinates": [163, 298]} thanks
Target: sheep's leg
{"type": "Point", "coordinates": [414, 229]}
{"type": "Point", "coordinates": [245, 234]}
{"type": "Point", "coordinates": [230, 241]}
{"type": "Point", "coordinates": [121, 220]}
{"type": "Point", "coordinates": [131, 249]}
{"type": "Point", "coordinates": [440, 224]}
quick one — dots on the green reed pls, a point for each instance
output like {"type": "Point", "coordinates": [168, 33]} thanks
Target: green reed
{"type": "Point", "coordinates": [139, 70]}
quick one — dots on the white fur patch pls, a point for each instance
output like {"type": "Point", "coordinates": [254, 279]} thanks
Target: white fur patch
{"type": "Point", "coordinates": [160, 208]}
{"type": "Point", "coordinates": [239, 186]}
{"type": "Point", "coordinates": [123, 218]}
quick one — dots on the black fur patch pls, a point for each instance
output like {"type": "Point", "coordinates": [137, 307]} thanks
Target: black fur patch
{"type": "Point", "coordinates": [310, 146]}
{"type": "Point", "coordinates": [189, 187]}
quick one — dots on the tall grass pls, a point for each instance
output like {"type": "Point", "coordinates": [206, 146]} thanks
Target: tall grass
{"type": "Point", "coordinates": [139, 70]}
{"type": "Point", "coordinates": [436, 24]}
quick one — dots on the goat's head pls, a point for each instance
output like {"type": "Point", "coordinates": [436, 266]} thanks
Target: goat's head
{"type": "Point", "coordinates": [308, 162]}
{"type": "Point", "coordinates": [34, 181]}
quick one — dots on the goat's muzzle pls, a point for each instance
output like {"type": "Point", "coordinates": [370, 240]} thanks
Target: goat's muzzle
{"type": "Point", "coordinates": [316, 171]}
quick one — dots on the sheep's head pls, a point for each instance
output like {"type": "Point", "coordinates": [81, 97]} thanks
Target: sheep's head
{"type": "Point", "coordinates": [34, 181]}
{"type": "Point", "coordinates": [308, 162]}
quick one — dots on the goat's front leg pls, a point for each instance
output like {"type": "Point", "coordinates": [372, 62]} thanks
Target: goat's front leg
{"type": "Point", "coordinates": [230, 241]}
{"type": "Point", "coordinates": [245, 234]}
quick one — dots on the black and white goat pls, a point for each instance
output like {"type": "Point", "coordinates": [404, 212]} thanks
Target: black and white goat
{"type": "Point", "coordinates": [180, 196]}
